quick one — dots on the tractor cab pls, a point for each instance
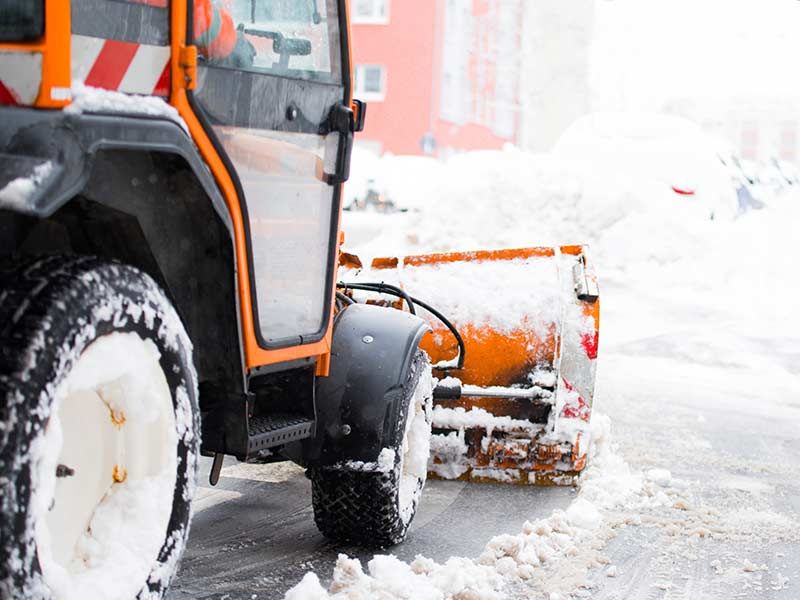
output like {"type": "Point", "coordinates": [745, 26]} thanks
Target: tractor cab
{"type": "Point", "coordinates": [278, 105]}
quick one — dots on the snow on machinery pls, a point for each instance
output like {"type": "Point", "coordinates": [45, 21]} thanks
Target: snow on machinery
{"type": "Point", "coordinates": [169, 244]}
{"type": "Point", "coordinates": [514, 341]}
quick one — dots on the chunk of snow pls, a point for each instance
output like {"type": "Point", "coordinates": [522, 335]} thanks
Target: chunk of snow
{"type": "Point", "coordinates": [584, 514]}
{"type": "Point", "coordinates": [383, 464]}
{"type": "Point", "coordinates": [751, 567]}
{"type": "Point", "coordinates": [309, 588]}
{"type": "Point", "coordinates": [17, 192]}
{"type": "Point", "coordinates": [500, 475]}
{"type": "Point", "coordinates": [660, 476]}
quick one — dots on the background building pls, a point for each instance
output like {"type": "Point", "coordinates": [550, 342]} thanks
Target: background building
{"type": "Point", "coordinates": [555, 69]}
{"type": "Point", "coordinates": [440, 76]}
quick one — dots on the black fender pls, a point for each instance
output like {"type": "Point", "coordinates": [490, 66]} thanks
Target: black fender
{"type": "Point", "coordinates": [134, 189]}
{"type": "Point", "coordinates": [358, 404]}
{"type": "Point", "coordinates": [69, 141]}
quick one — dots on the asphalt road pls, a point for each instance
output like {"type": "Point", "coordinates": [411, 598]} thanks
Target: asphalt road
{"type": "Point", "coordinates": [715, 402]}
{"type": "Point", "coordinates": [253, 536]}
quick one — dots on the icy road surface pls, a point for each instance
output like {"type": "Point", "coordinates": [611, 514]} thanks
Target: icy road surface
{"type": "Point", "coordinates": [718, 437]}
{"type": "Point", "coordinates": [693, 492]}
{"type": "Point", "coordinates": [255, 534]}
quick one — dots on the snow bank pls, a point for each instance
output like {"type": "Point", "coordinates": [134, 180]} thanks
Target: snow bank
{"type": "Point", "coordinates": [389, 578]}
{"type": "Point", "coordinates": [636, 230]}
{"type": "Point", "coordinates": [508, 198]}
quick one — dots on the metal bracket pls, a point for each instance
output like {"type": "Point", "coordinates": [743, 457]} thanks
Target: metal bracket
{"type": "Point", "coordinates": [586, 287]}
{"type": "Point", "coordinates": [188, 62]}
{"type": "Point", "coordinates": [216, 468]}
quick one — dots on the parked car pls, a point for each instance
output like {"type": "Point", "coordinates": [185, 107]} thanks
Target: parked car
{"type": "Point", "coordinates": [670, 150]}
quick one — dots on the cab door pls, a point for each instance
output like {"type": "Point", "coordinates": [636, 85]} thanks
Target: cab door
{"type": "Point", "coordinates": [273, 88]}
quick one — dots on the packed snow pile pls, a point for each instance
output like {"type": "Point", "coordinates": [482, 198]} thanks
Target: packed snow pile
{"type": "Point", "coordinates": [509, 198]}
{"type": "Point", "coordinates": [553, 554]}
{"type": "Point", "coordinates": [634, 226]}
{"type": "Point", "coordinates": [389, 578]}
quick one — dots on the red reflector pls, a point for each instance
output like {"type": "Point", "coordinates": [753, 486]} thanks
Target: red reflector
{"type": "Point", "coordinates": [678, 190]}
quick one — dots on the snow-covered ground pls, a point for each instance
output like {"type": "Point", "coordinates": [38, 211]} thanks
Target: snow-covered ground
{"type": "Point", "coordinates": [692, 490]}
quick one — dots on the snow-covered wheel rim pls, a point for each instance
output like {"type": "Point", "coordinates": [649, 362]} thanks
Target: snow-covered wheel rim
{"type": "Point", "coordinates": [106, 471]}
{"type": "Point", "coordinates": [416, 445]}
{"type": "Point", "coordinates": [98, 432]}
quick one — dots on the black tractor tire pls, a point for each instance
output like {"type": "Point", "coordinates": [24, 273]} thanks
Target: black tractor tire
{"type": "Point", "coordinates": [51, 310]}
{"type": "Point", "coordinates": [363, 505]}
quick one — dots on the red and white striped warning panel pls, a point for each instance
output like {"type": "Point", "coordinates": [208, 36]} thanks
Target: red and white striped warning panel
{"type": "Point", "coordinates": [121, 66]}
{"type": "Point", "coordinates": [20, 77]}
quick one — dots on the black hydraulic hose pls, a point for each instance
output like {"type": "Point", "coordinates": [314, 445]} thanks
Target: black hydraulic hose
{"type": "Point", "coordinates": [385, 288]}
{"type": "Point", "coordinates": [462, 351]}
{"type": "Point", "coordinates": [344, 298]}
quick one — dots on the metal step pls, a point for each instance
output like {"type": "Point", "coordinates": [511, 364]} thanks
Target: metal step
{"type": "Point", "coordinates": [275, 430]}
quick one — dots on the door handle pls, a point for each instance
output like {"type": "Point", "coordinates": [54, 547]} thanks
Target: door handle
{"type": "Point", "coordinates": [339, 127]}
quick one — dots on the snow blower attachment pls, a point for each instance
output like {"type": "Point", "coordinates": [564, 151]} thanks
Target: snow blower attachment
{"type": "Point", "coordinates": [514, 342]}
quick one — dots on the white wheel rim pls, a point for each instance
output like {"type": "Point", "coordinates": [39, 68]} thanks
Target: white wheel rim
{"type": "Point", "coordinates": [99, 531]}
{"type": "Point", "coordinates": [416, 445]}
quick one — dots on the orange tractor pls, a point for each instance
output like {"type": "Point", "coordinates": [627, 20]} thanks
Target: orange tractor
{"type": "Point", "coordinates": [172, 284]}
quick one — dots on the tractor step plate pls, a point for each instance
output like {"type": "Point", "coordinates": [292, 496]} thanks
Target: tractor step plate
{"type": "Point", "coordinates": [275, 430]}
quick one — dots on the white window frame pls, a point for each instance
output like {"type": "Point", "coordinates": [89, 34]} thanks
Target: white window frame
{"type": "Point", "coordinates": [374, 18]}
{"type": "Point", "coordinates": [369, 96]}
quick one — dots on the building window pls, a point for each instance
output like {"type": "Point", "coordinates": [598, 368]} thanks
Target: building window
{"type": "Point", "coordinates": [371, 11]}
{"type": "Point", "coordinates": [456, 99]}
{"type": "Point", "coordinates": [370, 82]}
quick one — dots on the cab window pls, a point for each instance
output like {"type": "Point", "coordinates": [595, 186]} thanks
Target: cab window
{"type": "Point", "coordinates": [290, 38]}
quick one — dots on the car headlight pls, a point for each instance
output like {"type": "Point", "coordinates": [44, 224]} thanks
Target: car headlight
{"type": "Point", "coordinates": [21, 20]}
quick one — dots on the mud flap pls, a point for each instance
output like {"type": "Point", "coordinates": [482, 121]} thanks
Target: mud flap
{"type": "Point", "coordinates": [518, 410]}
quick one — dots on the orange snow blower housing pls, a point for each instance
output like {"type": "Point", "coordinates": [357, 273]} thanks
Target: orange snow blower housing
{"type": "Point", "coordinates": [517, 374]}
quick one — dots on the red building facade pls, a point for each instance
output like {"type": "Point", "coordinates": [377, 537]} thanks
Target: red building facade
{"type": "Point", "coordinates": [440, 76]}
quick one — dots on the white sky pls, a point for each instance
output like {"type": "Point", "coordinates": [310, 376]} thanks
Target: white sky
{"type": "Point", "coordinates": [648, 51]}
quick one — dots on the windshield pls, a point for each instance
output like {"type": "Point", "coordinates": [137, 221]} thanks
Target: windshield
{"type": "Point", "coordinates": [291, 38]}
